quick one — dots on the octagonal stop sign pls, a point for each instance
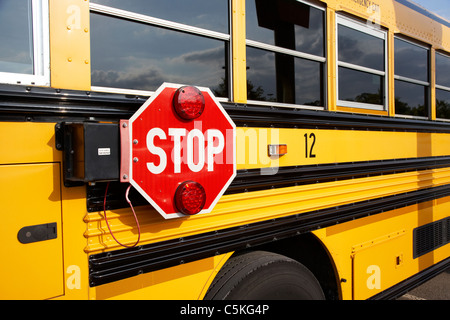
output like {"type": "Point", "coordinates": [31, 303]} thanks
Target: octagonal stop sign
{"type": "Point", "coordinates": [181, 150]}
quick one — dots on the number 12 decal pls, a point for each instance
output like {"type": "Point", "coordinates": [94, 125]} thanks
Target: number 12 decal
{"type": "Point", "coordinates": [309, 150]}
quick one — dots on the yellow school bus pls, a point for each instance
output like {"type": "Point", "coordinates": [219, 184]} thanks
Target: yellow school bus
{"type": "Point", "coordinates": [342, 138]}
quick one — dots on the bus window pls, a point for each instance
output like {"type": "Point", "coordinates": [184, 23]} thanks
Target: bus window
{"type": "Point", "coordinates": [442, 86]}
{"type": "Point", "coordinates": [285, 52]}
{"type": "Point", "coordinates": [411, 79]}
{"type": "Point", "coordinates": [24, 38]}
{"type": "Point", "coordinates": [206, 14]}
{"type": "Point", "coordinates": [130, 50]}
{"type": "Point", "coordinates": [361, 64]}
{"type": "Point", "coordinates": [17, 57]}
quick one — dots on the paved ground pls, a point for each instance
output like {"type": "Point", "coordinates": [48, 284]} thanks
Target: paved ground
{"type": "Point", "coordinates": [437, 288]}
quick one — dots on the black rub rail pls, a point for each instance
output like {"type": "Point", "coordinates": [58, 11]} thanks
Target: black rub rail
{"type": "Point", "coordinates": [26, 103]}
{"type": "Point", "coordinates": [253, 180]}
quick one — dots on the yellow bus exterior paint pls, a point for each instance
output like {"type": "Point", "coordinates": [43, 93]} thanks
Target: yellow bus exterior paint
{"type": "Point", "coordinates": [368, 255]}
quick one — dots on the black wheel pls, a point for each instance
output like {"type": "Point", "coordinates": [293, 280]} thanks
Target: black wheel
{"type": "Point", "coordinates": [261, 275]}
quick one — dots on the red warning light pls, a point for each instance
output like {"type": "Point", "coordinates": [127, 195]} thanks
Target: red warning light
{"type": "Point", "coordinates": [189, 102]}
{"type": "Point", "coordinates": [190, 197]}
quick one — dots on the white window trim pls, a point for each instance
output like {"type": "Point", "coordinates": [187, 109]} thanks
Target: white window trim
{"type": "Point", "coordinates": [411, 80]}
{"type": "Point", "coordinates": [143, 93]}
{"type": "Point", "coordinates": [290, 52]}
{"type": "Point", "coordinates": [444, 88]}
{"type": "Point", "coordinates": [119, 13]}
{"type": "Point", "coordinates": [284, 105]}
{"type": "Point", "coordinates": [41, 54]}
{"type": "Point", "coordinates": [354, 24]}
{"type": "Point", "coordinates": [373, 31]}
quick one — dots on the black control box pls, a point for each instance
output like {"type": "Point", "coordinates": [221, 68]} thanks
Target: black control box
{"type": "Point", "coordinates": [91, 151]}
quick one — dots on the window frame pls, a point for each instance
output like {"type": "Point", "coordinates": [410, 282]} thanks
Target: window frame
{"type": "Point", "coordinates": [297, 54]}
{"type": "Point", "coordinates": [372, 31]}
{"type": "Point", "coordinates": [171, 25]}
{"type": "Point", "coordinates": [41, 50]}
{"type": "Point", "coordinates": [425, 84]}
{"type": "Point", "coordinates": [441, 87]}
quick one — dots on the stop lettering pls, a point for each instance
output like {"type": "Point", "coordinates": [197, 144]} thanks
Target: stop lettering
{"type": "Point", "coordinates": [191, 147]}
{"type": "Point", "coordinates": [182, 150]}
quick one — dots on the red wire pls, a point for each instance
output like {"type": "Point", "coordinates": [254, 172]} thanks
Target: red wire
{"type": "Point", "coordinates": [135, 217]}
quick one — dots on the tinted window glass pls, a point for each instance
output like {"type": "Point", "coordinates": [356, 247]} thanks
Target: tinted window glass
{"type": "Point", "coordinates": [360, 86]}
{"type": "Point", "coordinates": [286, 23]}
{"type": "Point", "coordinates": [411, 99]}
{"type": "Point", "coordinates": [136, 56]}
{"type": "Point", "coordinates": [443, 70]}
{"type": "Point", "coordinates": [309, 83]}
{"type": "Point", "coordinates": [207, 14]}
{"type": "Point", "coordinates": [261, 78]}
{"type": "Point", "coordinates": [411, 61]}
{"type": "Point", "coordinates": [443, 104]}
{"type": "Point", "coordinates": [282, 78]}
{"type": "Point", "coordinates": [359, 48]}
{"type": "Point", "coordinates": [16, 50]}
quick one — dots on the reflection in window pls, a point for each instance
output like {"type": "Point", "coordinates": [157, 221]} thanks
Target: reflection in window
{"type": "Point", "coordinates": [141, 56]}
{"type": "Point", "coordinates": [206, 14]}
{"type": "Point", "coordinates": [266, 84]}
{"type": "Point", "coordinates": [443, 104]}
{"type": "Point", "coordinates": [412, 78]}
{"type": "Point", "coordinates": [261, 76]}
{"type": "Point", "coordinates": [285, 52]}
{"type": "Point", "coordinates": [443, 70]}
{"type": "Point", "coordinates": [16, 51]}
{"type": "Point", "coordinates": [411, 61]}
{"type": "Point", "coordinates": [364, 88]}
{"type": "Point", "coordinates": [361, 65]}
{"type": "Point", "coordinates": [288, 24]}
{"type": "Point", "coordinates": [360, 49]}
{"type": "Point", "coordinates": [411, 99]}
{"type": "Point", "coordinates": [442, 86]}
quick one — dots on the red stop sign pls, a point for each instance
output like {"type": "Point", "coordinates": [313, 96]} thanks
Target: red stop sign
{"type": "Point", "coordinates": [178, 155]}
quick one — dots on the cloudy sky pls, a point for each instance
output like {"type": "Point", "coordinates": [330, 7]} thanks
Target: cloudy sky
{"type": "Point", "coordinates": [440, 7]}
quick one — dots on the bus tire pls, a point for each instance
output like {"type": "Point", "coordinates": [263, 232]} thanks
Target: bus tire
{"type": "Point", "coordinates": [262, 275]}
